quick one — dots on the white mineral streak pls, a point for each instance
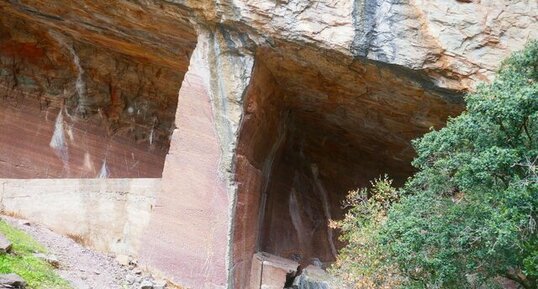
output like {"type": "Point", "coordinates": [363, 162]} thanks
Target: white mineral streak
{"type": "Point", "coordinates": [57, 142]}
{"type": "Point", "coordinates": [326, 209]}
{"type": "Point", "coordinates": [80, 85]}
{"type": "Point", "coordinates": [88, 164]}
{"type": "Point", "coordinates": [103, 173]}
{"type": "Point", "coordinates": [296, 220]}
{"type": "Point", "coordinates": [151, 133]}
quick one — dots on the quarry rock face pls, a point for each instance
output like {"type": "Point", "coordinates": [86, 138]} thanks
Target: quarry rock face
{"type": "Point", "coordinates": [260, 115]}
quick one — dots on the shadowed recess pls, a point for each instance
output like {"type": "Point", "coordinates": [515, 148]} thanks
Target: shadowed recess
{"type": "Point", "coordinates": [315, 127]}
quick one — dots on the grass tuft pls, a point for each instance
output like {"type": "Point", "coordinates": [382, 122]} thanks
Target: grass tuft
{"type": "Point", "coordinates": [35, 271]}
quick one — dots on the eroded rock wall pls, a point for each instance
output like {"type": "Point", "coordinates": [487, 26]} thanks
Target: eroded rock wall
{"type": "Point", "coordinates": [112, 79]}
{"type": "Point", "coordinates": [311, 133]}
{"type": "Point", "coordinates": [263, 132]}
{"type": "Point", "coordinates": [81, 149]}
{"type": "Point", "coordinates": [354, 100]}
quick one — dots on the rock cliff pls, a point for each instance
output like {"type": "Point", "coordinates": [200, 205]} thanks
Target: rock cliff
{"type": "Point", "coordinates": [283, 106]}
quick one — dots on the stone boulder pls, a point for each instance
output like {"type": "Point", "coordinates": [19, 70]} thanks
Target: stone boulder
{"type": "Point", "coordinates": [5, 245]}
{"type": "Point", "coordinates": [11, 281]}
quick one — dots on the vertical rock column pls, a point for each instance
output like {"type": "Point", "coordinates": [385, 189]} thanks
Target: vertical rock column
{"type": "Point", "coordinates": [189, 236]}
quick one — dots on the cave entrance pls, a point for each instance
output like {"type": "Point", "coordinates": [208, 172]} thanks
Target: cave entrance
{"type": "Point", "coordinates": [90, 99]}
{"type": "Point", "coordinates": [313, 131]}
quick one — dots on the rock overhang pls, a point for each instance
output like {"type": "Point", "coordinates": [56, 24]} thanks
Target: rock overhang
{"type": "Point", "coordinates": [154, 30]}
{"type": "Point", "coordinates": [111, 69]}
{"type": "Point", "coordinates": [380, 107]}
{"type": "Point", "coordinates": [317, 124]}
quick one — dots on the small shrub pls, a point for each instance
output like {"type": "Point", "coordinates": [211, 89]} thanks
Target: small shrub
{"type": "Point", "coordinates": [358, 263]}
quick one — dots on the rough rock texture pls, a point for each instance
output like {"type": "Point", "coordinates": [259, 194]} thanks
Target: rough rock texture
{"type": "Point", "coordinates": [284, 107]}
{"type": "Point", "coordinates": [112, 69]}
{"type": "Point", "coordinates": [12, 281]}
{"type": "Point", "coordinates": [454, 42]}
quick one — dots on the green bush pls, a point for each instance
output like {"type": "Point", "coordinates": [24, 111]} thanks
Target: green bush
{"type": "Point", "coordinates": [360, 262]}
{"type": "Point", "coordinates": [468, 216]}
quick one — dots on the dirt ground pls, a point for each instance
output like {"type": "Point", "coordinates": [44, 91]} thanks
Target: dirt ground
{"type": "Point", "coordinates": [82, 267]}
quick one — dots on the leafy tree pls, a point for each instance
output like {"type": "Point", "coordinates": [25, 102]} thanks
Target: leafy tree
{"type": "Point", "coordinates": [468, 216]}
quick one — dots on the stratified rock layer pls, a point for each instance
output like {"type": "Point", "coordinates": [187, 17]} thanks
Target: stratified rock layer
{"type": "Point", "coordinates": [86, 150]}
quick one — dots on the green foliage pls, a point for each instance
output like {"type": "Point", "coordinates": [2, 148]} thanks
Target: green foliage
{"type": "Point", "coordinates": [36, 272]}
{"type": "Point", "coordinates": [469, 214]}
{"type": "Point", "coordinates": [359, 262]}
